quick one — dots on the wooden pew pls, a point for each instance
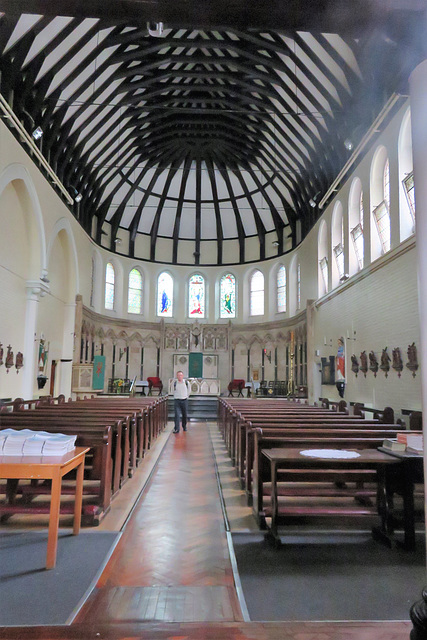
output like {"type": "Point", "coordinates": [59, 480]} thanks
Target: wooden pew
{"type": "Point", "coordinates": [74, 426]}
{"type": "Point", "coordinates": [100, 441]}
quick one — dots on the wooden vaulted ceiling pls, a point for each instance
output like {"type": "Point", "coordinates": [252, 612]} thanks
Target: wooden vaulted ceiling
{"type": "Point", "coordinates": [221, 127]}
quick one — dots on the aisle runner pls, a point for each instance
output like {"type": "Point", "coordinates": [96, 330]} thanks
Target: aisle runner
{"type": "Point", "coordinates": [172, 561]}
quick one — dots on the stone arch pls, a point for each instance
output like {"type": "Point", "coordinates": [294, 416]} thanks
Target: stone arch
{"type": "Point", "coordinates": [62, 231]}
{"type": "Point", "coordinates": [25, 190]}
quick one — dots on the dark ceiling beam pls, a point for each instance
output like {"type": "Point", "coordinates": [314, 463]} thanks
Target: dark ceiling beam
{"type": "Point", "coordinates": [300, 15]}
{"type": "Point", "coordinates": [219, 230]}
{"type": "Point", "coordinates": [158, 169]}
{"type": "Point", "coordinates": [179, 206]}
{"type": "Point", "coordinates": [221, 163]}
{"type": "Point", "coordinates": [173, 168]}
{"type": "Point", "coordinates": [261, 231]}
{"type": "Point", "coordinates": [198, 225]}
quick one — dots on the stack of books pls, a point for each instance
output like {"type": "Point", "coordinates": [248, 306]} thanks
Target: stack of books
{"type": "Point", "coordinates": [18, 442]}
{"type": "Point", "coordinates": [406, 441]}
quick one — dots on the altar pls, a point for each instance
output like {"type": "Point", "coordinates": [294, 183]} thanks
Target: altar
{"type": "Point", "coordinates": [199, 386]}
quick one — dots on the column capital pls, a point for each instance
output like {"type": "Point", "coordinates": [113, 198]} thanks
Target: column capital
{"type": "Point", "coordinates": [36, 289]}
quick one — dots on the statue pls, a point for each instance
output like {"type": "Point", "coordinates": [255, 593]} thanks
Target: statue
{"type": "Point", "coordinates": [354, 364]}
{"type": "Point", "coordinates": [195, 332]}
{"type": "Point", "coordinates": [9, 358]}
{"type": "Point", "coordinates": [385, 362]}
{"type": "Point", "coordinates": [373, 363]}
{"type": "Point", "coordinates": [1, 353]}
{"type": "Point", "coordinates": [397, 361]}
{"type": "Point", "coordinates": [412, 357]}
{"type": "Point", "coordinates": [364, 363]}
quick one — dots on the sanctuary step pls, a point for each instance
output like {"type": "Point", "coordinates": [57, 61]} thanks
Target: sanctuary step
{"type": "Point", "coordinates": [199, 408]}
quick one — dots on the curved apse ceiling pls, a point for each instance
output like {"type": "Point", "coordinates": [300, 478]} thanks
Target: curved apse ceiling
{"type": "Point", "coordinates": [202, 144]}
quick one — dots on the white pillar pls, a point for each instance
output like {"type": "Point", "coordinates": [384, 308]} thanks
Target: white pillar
{"type": "Point", "coordinates": [35, 289]}
{"type": "Point", "coordinates": [66, 364]}
{"type": "Point", "coordinates": [418, 94]}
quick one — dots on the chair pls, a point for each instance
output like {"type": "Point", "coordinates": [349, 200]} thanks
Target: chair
{"type": "Point", "coordinates": [236, 385]}
{"type": "Point", "coordinates": [154, 383]}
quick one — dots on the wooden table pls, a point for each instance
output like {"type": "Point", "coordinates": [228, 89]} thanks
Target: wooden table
{"type": "Point", "coordinates": [50, 468]}
{"type": "Point", "coordinates": [283, 458]}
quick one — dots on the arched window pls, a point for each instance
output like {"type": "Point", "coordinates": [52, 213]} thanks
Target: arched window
{"type": "Point", "coordinates": [135, 292]}
{"type": "Point", "coordinates": [381, 212]}
{"type": "Point", "coordinates": [165, 295]}
{"type": "Point", "coordinates": [109, 286]}
{"type": "Point", "coordinates": [355, 220]}
{"type": "Point", "coordinates": [299, 287]}
{"type": "Point", "coordinates": [196, 296]}
{"type": "Point", "coordinates": [257, 294]}
{"type": "Point", "coordinates": [281, 289]}
{"type": "Point", "coordinates": [227, 296]}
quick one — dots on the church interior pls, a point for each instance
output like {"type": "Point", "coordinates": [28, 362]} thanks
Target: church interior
{"type": "Point", "coordinates": [234, 191]}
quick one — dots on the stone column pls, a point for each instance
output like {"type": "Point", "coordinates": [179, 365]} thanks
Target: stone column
{"type": "Point", "coordinates": [68, 351]}
{"type": "Point", "coordinates": [418, 95]}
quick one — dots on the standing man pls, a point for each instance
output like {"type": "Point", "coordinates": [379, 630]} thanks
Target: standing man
{"type": "Point", "coordinates": [181, 394]}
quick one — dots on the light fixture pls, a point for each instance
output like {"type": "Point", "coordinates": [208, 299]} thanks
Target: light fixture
{"type": "Point", "coordinates": [117, 240]}
{"type": "Point", "coordinates": [275, 243]}
{"type": "Point", "coordinates": [37, 133]}
{"type": "Point", "coordinates": [155, 29]}
{"type": "Point", "coordinates": [313, 201]}
{"type": "Point", "coordinates": [44, 278]}
{"type": "Point", "coordinates": [348, 144]}
{"type": "Point", "coordinates": [77, 196]}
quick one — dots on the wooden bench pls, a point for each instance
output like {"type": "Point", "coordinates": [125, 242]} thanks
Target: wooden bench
{"type": "Point", "coordinates": [100, 443]}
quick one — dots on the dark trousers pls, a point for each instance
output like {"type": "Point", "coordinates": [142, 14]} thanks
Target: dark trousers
{"type": "Point", "coordinates": [181, 409]}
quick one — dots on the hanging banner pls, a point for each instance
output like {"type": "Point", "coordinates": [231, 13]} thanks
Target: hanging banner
{"type": "Point", "coordinates": [98, 373]}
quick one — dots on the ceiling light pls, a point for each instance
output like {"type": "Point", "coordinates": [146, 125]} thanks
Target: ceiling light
{"type": "Point", "coordinates": [275, 243]}
{"type": "Point", "coordinates": [312, 203]}
{"type": "Point", "coordinates": [78, 197]}
{"type": "Point", "coordinates": [155, 29]}
{"type": "Point", "coordinates": [348, 144]}
{"type": "Point", "coordinates": [37, 133]}
{"type": "Point", "coordinates": [117, 240]}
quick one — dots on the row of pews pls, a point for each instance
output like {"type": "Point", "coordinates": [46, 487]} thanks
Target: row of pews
{"type": "Point", "coordinates": [253, 429]}
{"type": "Point", "coordinates": [118, 431]}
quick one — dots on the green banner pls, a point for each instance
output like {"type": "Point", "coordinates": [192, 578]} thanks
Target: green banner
{"type": "Point", "coordinates": [195, 365]}
{"type": "Point", "coordinates": [98, 372]}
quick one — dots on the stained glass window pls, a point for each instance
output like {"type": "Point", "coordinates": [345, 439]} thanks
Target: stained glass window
{"type": "Point", "coordinates": [281, 289]}
{"type": "Point", "coordinates": [257, 294]}
{"type": "Point", "coordinates": [228, 296]}
{"type": "Point", "coordinates": [196, 296]}
{"type": "Point", "coordinates": [135, 292]}
{"type": "Point", "coordinates": [109, 287]}
{"type": "Point", "coordinates": [164, 295]}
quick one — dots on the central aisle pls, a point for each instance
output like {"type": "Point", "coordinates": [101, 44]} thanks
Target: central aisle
{"type": "Point", "coordinates": [172, 562]}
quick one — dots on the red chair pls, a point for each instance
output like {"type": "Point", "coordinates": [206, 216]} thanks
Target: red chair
{"type": "Point", "coordinates": [154, 383]}
{"type": "Point", "coordinates": [236, 385]}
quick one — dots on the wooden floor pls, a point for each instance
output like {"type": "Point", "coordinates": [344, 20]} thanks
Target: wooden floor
{"type": "Point", "coordinates": [170, 576]}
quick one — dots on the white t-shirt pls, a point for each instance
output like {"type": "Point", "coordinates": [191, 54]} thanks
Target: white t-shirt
{"type": "Point", "coordinates": [182, 389]}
